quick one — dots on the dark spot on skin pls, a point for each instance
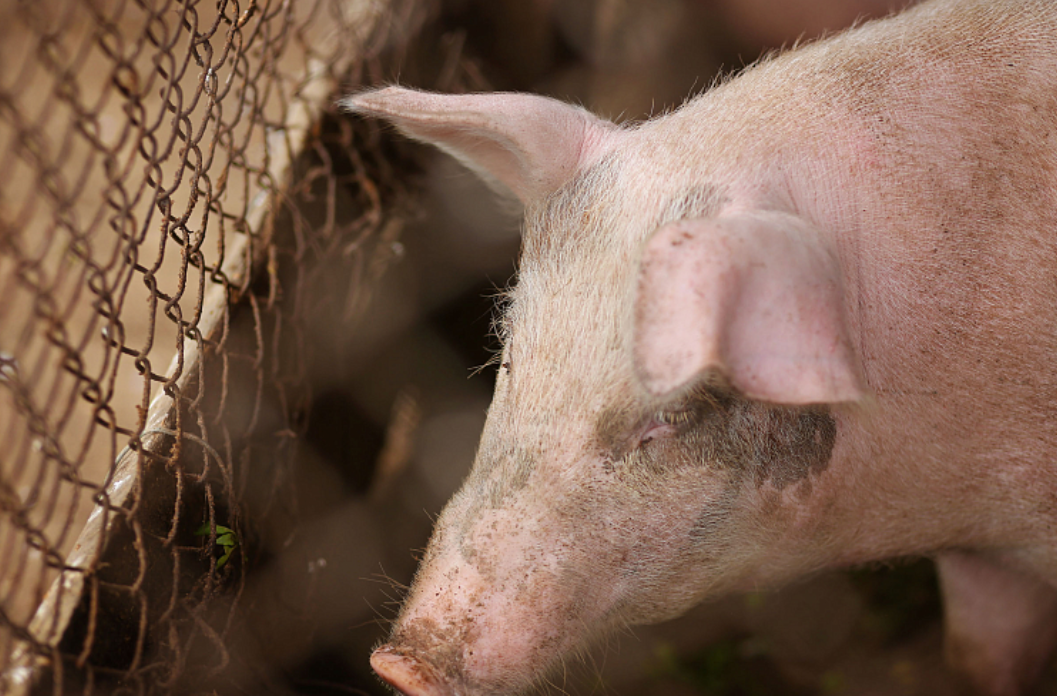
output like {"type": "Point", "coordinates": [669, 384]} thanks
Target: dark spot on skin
{"type": "Point", "coordinates": [763, 442]}
{"type": "Point", "coordinates": [716, 428]}
{"type": "Point", "coordinates": [713, 523]}
{"type": "Point", "coordinates": [734, 441]}
{"type": "Point", "coordinates": [788, 444]}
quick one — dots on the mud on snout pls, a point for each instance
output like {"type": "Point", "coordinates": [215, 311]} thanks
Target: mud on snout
{"type": "Point", "coordinates": [499, 601]}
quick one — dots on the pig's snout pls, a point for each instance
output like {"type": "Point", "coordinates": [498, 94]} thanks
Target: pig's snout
{"type": "Point", "coordinates": [406, 674]}
{"type": "Point", "coordinates": [476, 623]}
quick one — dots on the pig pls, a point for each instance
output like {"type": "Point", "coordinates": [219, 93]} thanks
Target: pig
{"type": "Point", "coordinates": [807, 320]}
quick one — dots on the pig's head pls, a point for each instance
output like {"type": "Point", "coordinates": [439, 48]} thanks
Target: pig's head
{"type": "Point", "coordinates": [668, 355]}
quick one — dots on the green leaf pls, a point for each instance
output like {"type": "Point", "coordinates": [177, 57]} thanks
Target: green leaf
{"type": "Point", "coordinates": [226, 538]}
{"type": "Point", "coordinates": [221, 530]}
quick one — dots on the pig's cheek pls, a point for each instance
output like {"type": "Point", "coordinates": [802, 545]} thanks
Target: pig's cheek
{"type": "Point", "coordinates": [693, 497]}
{"type": "Point", "coordinates": [668, 487]}
{"type": "Point", "coordinates": [679, 546]}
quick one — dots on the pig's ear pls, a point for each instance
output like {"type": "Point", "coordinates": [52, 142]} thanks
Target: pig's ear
{"type": "Point", "coordinates": [755, 296]}
{"type": "Point", "coordinates": [531, 145]}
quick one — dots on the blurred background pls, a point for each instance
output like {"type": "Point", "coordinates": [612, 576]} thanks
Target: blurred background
{"type": "Point", "coordinates": [333, 403]}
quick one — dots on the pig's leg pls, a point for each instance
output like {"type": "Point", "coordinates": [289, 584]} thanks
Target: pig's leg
{"type": "Point", "coordinates": [1001, 624]}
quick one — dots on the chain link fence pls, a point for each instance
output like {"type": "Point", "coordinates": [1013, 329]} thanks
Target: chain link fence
{"type": "Point", "coordinates": [179, 202]}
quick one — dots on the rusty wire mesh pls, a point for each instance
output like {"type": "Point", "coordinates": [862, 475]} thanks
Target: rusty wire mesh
{"type": "Point", "coordinates": [171, 177]}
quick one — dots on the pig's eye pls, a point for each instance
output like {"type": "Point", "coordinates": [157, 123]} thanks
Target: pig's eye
{"type": "Point", "coordinates": [683, 414]}
{"type": "Point", "coordinates": [666, 423]}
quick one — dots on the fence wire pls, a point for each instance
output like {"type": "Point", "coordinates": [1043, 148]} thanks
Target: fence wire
{"type": "Point", "coordinates": [174, 186]}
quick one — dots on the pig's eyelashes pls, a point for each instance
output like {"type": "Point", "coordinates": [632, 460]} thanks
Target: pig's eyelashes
{"type": "Point", "coordinates": [675, 417]}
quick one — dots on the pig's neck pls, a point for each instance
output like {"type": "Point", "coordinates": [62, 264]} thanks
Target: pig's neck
{"type": "Point", "coordinates": [952, 310]}
{"type": "Point", "coordinates": [910, 476]}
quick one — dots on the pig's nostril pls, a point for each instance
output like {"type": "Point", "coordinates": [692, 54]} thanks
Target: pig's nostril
{"type": "Point", "coordinates": [405, 674]}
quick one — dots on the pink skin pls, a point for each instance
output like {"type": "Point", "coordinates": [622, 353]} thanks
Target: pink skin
{"type": "Point", "coordinates": [864, 231]}
{"type": "Point", "coordinates": [518, 575]}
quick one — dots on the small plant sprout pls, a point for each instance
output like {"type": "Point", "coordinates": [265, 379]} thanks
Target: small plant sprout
{"type": "Point", "coordinates": [226, 538]}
